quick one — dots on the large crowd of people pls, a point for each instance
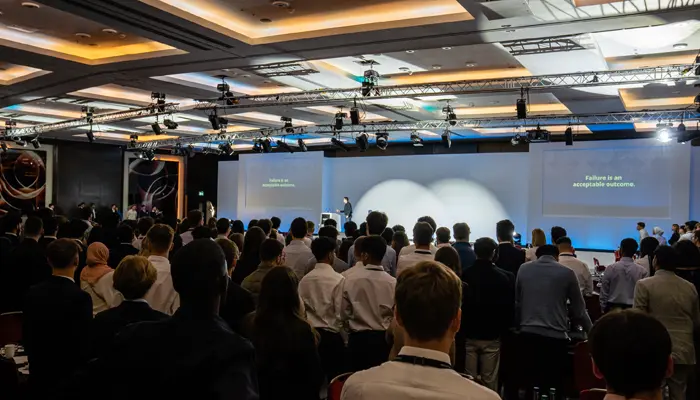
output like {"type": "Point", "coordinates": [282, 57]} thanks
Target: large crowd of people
{"type": "Point", "coordinates": [150, 307]}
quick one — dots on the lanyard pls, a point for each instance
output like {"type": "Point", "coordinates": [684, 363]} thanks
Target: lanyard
{"type": "Point", "coordinates": [426, 362]}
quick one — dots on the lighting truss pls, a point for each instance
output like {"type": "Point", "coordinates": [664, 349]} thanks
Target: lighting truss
{"type": "Point", "coordinates": [99, 119]}
{"type": "Point", "coordinates": [281, 69]}
{"type": "Point", "coordinates": [572, 80]}
{"type": "Point", "coordinates": [441, 125]}
{"type": "Point", "coordinates": [545, 45]}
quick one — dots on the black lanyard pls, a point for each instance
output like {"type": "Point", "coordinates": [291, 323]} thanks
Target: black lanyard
{"type": "Point", "coordinates": [425, 362]}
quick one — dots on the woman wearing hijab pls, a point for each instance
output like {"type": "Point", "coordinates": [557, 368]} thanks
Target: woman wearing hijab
{"type": "Point", "coordinates": [96, 279]}
{"type": "Point", "coordinates": [659, 235]}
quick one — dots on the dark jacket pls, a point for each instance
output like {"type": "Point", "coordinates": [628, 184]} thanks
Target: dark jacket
{"type": "Point", "coordinates": [489, 301]}
{"type": "Point", "coordinates": [118, 252]}
{"type": "Point", "coordinates": [245, 266]}
{"type": "Point", "coordinates": [44, 242]}
{"type": "Point", "coordinates": [510, 258]}
{"type": "Point", "coordinates": [109, 323]}
{"type": "Point", "coordinates": [56, 328]}
{"type": "Point", "coordinates": [675, 237]}
{"type": "Point", "coordinates": [466, 254]}
{"type": "Point", "coordinates": [82, 261]}
{"type": "Point", "coordinates": [27, 267]}
{"type": "Point", "coordinates": [239, 303]}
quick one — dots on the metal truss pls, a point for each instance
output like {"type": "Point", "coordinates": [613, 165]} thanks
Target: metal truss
{"type": "Point", "coordinates": [573, 80]}
{"type": "Point", "coordinates": [281, 69]}
{"type": "Point", "coordinates": [99, 119]}
{"type": "Point", "coordinates": [545, 45]}
{"type": "Point", "coordinates": [440, 125]}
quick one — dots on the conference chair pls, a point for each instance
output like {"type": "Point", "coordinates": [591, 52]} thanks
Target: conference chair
{"type": "Point", "coordinates": [10, 328]}
{"type": "Point", "coordinates": [335, 388]}
{"type": "Point", "coordinates": [584, 378]}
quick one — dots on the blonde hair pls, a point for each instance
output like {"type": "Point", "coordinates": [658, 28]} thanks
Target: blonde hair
{"type": "Point", "coordinates": [134, 276]}
{"type": "Point", "coordinates": [538, 237]}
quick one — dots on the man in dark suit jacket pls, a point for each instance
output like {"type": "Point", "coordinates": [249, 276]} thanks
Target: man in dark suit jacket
{"type": "Point", "coordinates": [194, 354]}
{"type": "Point", "coordinates": [125, 236]}
{"type": "Point", "coordinates": [10, 226]}
{"type": "Point", "coordinates": [57, 316]}
{"type": "Point", "coordinates": [50, 230]}
{"type": "Point", "coordinates": [510, 258]}
{"type": "Point", "coordinates": [28, 265]}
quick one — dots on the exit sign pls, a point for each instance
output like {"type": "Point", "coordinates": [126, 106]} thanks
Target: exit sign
{"type": "Point", "coordinates": [201, 193]}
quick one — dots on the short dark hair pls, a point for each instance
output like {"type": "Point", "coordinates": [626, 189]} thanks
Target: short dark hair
{"type": "Point", "coordinates": [689, 254]}
{"type": "Point", "coordinates": [76, 228]}
{"type": "Point", "coordinates": [556, 232]}
{"type": "Point", "coordinates": [422, 233]}
{"type": "Point", "coordinates": [276, 222]}
{"type": "Point", "coordinates": [642, 224]}
{"type": "Point", "coordinates": [270, 249]}
{"type": "Point", "coordinates": [265, 225]}
{"type": "Point", "coordinates": [376, 222]}
{"type": "Point", "coordinates": [330, 222]}
{"type": "Point", "coordinates": [346, 198]}
{"type": "Point", "coordinates": [50, 226]}
{"type": "Point", "coordinates": [631, 349]}
{"type": "Point", "coordinates": [628, 247]}
{"type": "Point", "coordinates": [461, 231]}
{"type": "Point", "coordinates": [505, 230]}
{"type": "Point", "coordinates": [125, 234]}
{"type": "Point", "coordinates": [690, 225]}
{"type": "Point", "coordinates": [62, 253]}
{"type": "Point", "coordinates": [329, 232]}
{"type": "Point", "coordinates": [428, 297]}
{"type": "Point", "coordinates": [666, 258]}
{"type": "Point", "coordinates": [33, 226]}
{"type": "Point", "coordinates": [198, 270]}
{"type": "Point", "coordinates": [144, 225]}
{"type": "Point", "coordinates": [676, 225]}
{"type": "Point", "coordinates": [398, 228]}
{"type": "Point", "coordinates": [450, 258]}
{"type": "Point", "coordinates": [350, 228]}
{"type": "Point", "coordinates": [443, 234]}
{"type": "Point", "coordinates": [310, 226]}
{"type": "Point", "coordinates": [252, 223]}
{"type": "Point", "coordinates": [430, 221]}
{"type": "Point", "coordinates": [223, 225]}
{"type": "Point", "coordinates": [375, 247]}
{"type": "Point", "coordinates": [648, 246]}
{"type": "Point", "coordinates": [298, 228]}
{"type": "Point", "coordinates": [564, 240]}
{"type": "Point", "coordinates": [547, 250]}
{"type": "Point", "coordinates": [160, 237]}
{"type": "Point", "coordinates": [388, 234]}
{"type": "Point", "coordinates": [11, 221]}
{"type": "Point", "coordinates": [201, 232]}
{"type": "Point", "coordinates": [322, 246]}
{"type": "Point", "coordinates": [485, 248]}
{"type": "Point", "coordinates": [194, 217]}
{"type": "Point", "coordinates": [237, 226]}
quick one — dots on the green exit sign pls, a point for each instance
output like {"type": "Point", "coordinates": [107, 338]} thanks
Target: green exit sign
{"type": "Point", "coordinates": [201, 193]}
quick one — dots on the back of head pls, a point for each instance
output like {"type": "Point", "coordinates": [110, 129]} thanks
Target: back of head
{"type": "Point", "coordinates": [648, 246]}
{"type": "Point", "coordinates": [252, 223]}
{"type": "Point", "coordinates": [375, 248]}
{"type": "Point", "coordinates": [350, 228]}
{"type": "Point", "coordinates": [461, 231]}
{"type": "Point", "coordinates": [376, 222]}
{"type": "Point", "coordinates": [322, 247]}
{"type": "Point", "coordinates": [688, 254]}
{"type": "Point", "coordinates": [564, 244]}
{"type": "Point", "coordinates": [134, 276]}
{"type": "Point", "coordinates": [223, 225]}
{"type": "Point", "coordinates": [690, 225]}
{"type": "Point", "coordinates": [422, 234]}
{"type": "Point", "coordinates": [628, 247]}
{"type": "Point", "coordinates": [430, 222]}
{"type": "Point", "coordinates": [400, 238]}
{"type": "Point", "coordinates": [230, 250]}
{"type": "Point", "coordinates": [11, 221]}
{"type": "Point", "coordinates": [270, 250]}
{"type": "Point", "coordinates": [276, 222]}
{"type": "Point", "coordinates": [160, 238]}
{"type": "Point", "coordinates": [485, 248]}
{"type": "Point", "coordinates": [450, 258]}
{"type": "Point", "coordinates": [504, 230]}
{"type": "Point", "coordinates": [195, 218]}
{"type": "Point", "coordinates": [398, 228]}
{"type": "Point", "coordinates": [547, 250]}
{"type": "Point", "coordinates": [76, 229]}
{"type": "Point", "coordinates": [51, 226]}
{"type": "Point", "coordinates": [329, 232]}
{"type": "Point", "coordinates": [279, 298]}
{"type": "Point", "coordinates": [237, 239]}
{"type": "Point", "coordinates": [330, 222]}
{"type": "Point", "coordinates": [666, 258]}
{"type": "Point", "coordinates": [298, 228]}
{"type": "Point", "coordinates": [33, 226]}
{"type": "Point", "coordinates": [201, 232]}
{"type": "Point", "coordinates": [631, 349]}
{"type": "Point", "coordinates": [253, 240]}
{"type": "Point", "coordinates": [97, 254]}
{"type": "Point", "coordinates": [443, 234]}
{"type": "Point", "coordinates": [556, 233]}
{"type": "Point", "coordinates": [538, 238]}
{"type": "Point", "coordinates": [357, 251]}
{"type": "Point", "coordinates": [310, 226]}
{"type": "Point", "coordinates": [197, 271]}
{"type": "Point", "coordinates": [428, 298]}
{"type": "Point", "coordinates": [388, 234]}
{"type": "Point", "coordinates": [144, 225]}
{"type": "Point", "coordinates": [265, 225]}
{"type": "Point", "coordinates": [63, 253]}
{"type": "Point", "coordinates": [237, 226]}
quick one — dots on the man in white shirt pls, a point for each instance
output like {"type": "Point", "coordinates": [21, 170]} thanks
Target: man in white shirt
{"type": "Point", "coordinates": [162, 295]}
{"type": "Point", "coordinates": [357, 251]}
{"type": "Point", "coordinates": [366, 308]}
{"type": "Point", "coordinates": [433, 249]}
{"type": "Point", "coordinates": [195, 218]}
{"type": "Point", "coordinates": [338, 265]}
{"type": "Point", "coordinates": [276, 223]}
{"type": "Point", "coordinates": [223, 228]}
{"type": "Point", "coordinates": [443, 237]}
{"type": "Point", "coordinates": [321, 292]}
{"type": "Point", "coordinates": [422, 236]}
{"type": "Point", "coordinates": [689, 230]}
{"type": "Point", "coordinates": [310, 228]}
{"type": "Point", "coordinates": [641, 227]}
{"type": "Point", "coordinates": [428, 300]}
{"type": "Point", "coordinates": [580, 268]}
{"type": "Point", "coordinates": [298, 254]}
{"type": "Point", "coordinates": [376, 223]}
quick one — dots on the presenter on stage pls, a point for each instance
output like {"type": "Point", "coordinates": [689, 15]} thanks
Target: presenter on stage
{"type": "Point", "coordinates": [347, 209]}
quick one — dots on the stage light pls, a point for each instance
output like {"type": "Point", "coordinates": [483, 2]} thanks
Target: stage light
{"type": "Point", "coordinates": [214, 121]}
{"type": "Point", "coordinates": [170, 124]}
{"type": "Point", "coordinates": [159, 100]}
{"type": "Point", "coordinates": [149, 155]}
{"type": "Point", "coordinates": [223, 87]}
{"type": "Point", "coordinates": [339, 120]}
{"type": "Point", "coordinates": [156, 128]}
{"type": "Point", "coordinates": [569, 136]}
{"type": "Point", "coordinates": [416, 139]}
{"type": "Point", "coordinates": [446, 139]}
{"type": "Point", "coordinates": [663, 135]}
{"type": "Point", "coordinates": [515, 140]}
{"type": "Point", "coordinates": [132, 140]}
{"type": "Point", "coordinates": [450, 115]}
{"type": "Point", "coordinates": [336, 142]}
{"type": "Point", "coordinates": [265, 144]}
{"type": "Point", "coordinates": [362, 141]}
{"type": "Point", "coordinates": [382, 140]}
{"type": "Point", "coordinates": [223, 122]}
{"type": "Point", "coordinates": [302, 145]}
{"type": "Point", "coordinates": [288, 125]}
{"type": "Point", "coordinates": [256, 147]}
{"type": "Point", "coordinates": [538, 135]}
{"type": "Point", "coordinates": [90, 135]}
{"type": "Point", "coordinates": [226, 148]}
{"type": "Point", "coordinates": [370, 81]}
{"type": "Point", "coordinates": [35, 143]}
{"type": "Point", "coordinates": [283, 145]}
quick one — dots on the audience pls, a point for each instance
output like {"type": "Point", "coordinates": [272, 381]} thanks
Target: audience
{"type": "Point", "coordinates": [510, 258]}
{"type": "Point", "coordinates": [568, 259]}
{"type": "Point", "coordinates": [125, 238]}
{"type": "Point", "coordinates": [658, 233]}
{"type": "Point", "coordinates": [285, 344]}
{"type": "Point", "coordinates": [195, 218]}
{"type": "Point", "coordinates": [142, 227]}
{"type": "Point", "coordinates": [250, 258]}
{"type": "Point", "coordinates": [674, 302]}
{"type": "Point", "coordinates": [398, 242]}
{"type": "Point", "coordinates": [366, 307]}
{"type": "Point", "coordinates": [542, 290]}
{"type": "Point", "coordinates": [252, 223]}
{"type": "Point", "coordinates": [375, 224]}
{"type": "Point", "coordinates": [433, 226]}
{"type": "Point", "coordinates": [56, 326]}
{"type": "Point", "coordinates": [617, 285]}
{"type": "Point", "coordinates": [688, 262]}
{"type": "Point", "coordinates": [26, 266]}
{"type": "Point", "coordinates": [276, 223]}
{"type": "Point", "coordinates": [487, 312]}
{"type": "Point", "coordinates": [237, 227]}
{"type": "Point", "coordinates": [428, 299]}
{"type": "Point", "coordinates": [556, 233]}
{"type": "Point", "coordinates": [271, 255]}
{"type": "Point", "coordinates": [239, 302]}
{"type": "Point", "coordinates": [461, 233]}
{"type": "Point", "coordinates": [538, 239]}
{"type": "Point", "coordinates": [449, 257]}
{"type": "Point", "coordinates": [297, 253]}
{"type": "Point", "coordinates": [422, 237]}
{"type": "Point", "coordinates": [631, 351]}
{"type": "Point", "coordinates": [50, 230]}
{"type": "Point", "coordinates": [96, 279]}
{"type": "Point", "coordinates": [387, 235]}
{"type": "Point", "coordinates": [647, 249]}
{"type": "Point", "coordinates": [162, 296]}
{"type": "Point", "coordinates": [266, 226]}
{"type": "Point", "coordinates": [75, 230]}
{"type": "Point", "coordinates": [442, 236]}
{"type": "Point", "coordinates": [132, 278]}
{"type": "Point", "coordinates": [675, 236]}
{"type": "Point", "coordinates": [690, 228]}
{"type": "Point", "coordinates": [223, 228]}
{"type": "Point", "coordinates": [338, 265]}
{"type": "Point", "coordinates": [357, 252]}
{"type": "Point", "coordinates": [310, 229]}
{"type": "Point", "coordinates": [321, 292]}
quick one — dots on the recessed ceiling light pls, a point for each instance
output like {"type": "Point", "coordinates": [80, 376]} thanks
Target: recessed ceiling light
{"type": "Point", "coordinates": [246, 76]}
{"type": "Point", "coordinates": [83, 35]}
{"type": "Point", "coordinates": [680, 46]}
{"type": "Point", "coordinates": [510, 30]}
{"type": "Point", "coordinates": [404, 69]}
{"type": "Point", "coordinates": [437, 66]}
{"type": "Point", "coordinates": [447, 48]}
{"type": "Point", "coordinates": [265, 20]}
{"type": "Point", "coordinates": [30, 4]}
{"type": "Point", "coordinates": [470, 64]}
{"type": "Point", "coordinates": [110, 31]}
{"type": "Point", "coordinates": [410, 51]}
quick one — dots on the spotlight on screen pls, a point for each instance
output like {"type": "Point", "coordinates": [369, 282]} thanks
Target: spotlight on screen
{"type": "Point", "coordinates": [339, 120]}
{"type": "Point", "coordinates": [362, 141]}
{"type": "Point", "coordinates": [416, 140]}
{"type": "Point", "coordinates": [382, 140]}
{"type": "Point", "coordinates": [663, 132]}
{"type": "Point", "coordinates": [284, 146]}
{"type": "Point", "coordinates": [288, 126]}
{"type": "Point", "coordinates": [170, 124]}
{"type": "Point", "coordinates": [569, 136]}
{"type": "Point", "coordinates": [156, 128]}
{"type": "Point", "coordinates": [35, 143]}
{"type": "Point", "coordinates": [446, 139]}
{"type": "Point", "coordinates": [214, 121]}
{"type": "Point", "coordinates": [338, 143]}
{"type": "Point", "coordinates": [302, 145]}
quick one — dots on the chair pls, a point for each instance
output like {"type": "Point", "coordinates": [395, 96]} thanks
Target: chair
{"type": "Point", "coordinates": [10, 327]}
{"type": "Point", "coordinates": [335, 388]}
{"type": "Point", "coordinates": [583, 369]}
{"type": "Point", "coordinates": [593, 394]}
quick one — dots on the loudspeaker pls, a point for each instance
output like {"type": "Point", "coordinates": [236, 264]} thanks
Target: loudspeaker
{"type": "Point", "coordinates": [355, 116]}
{"type": "Point", "coordinates": [569, 137]}
{"type": "Point", "coordinates": [521, 108]}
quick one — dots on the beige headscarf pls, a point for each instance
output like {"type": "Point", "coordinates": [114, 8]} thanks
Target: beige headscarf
{"type": "Point", "coordinates": [97, 256]}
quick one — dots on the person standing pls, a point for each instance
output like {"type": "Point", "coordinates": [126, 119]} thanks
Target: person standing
{"type": "Point", "coordinates": [422, 237]}
{"type": "Point", "coordinates": [116, 215]}
{"type": "Point", "coordinates": [347, 209]}
{"type": "Point", "coordinates": [27, 266]}
{"type": "Point", "coordinates": [376, 223]}
{"type": "Point", "coordinates": [568, 259]}
{"type": "Point", "coordinates": [131, 213]}
{"type": "Point", "coordinates": [673, 301]}
{"type": "Point", "coordinates": [641, 227]}
{"type": "Point", "coordinates": [125, 237]}
{"type": "Point", "coordinates": [461, 233]}
{"type": "Point", "coordinates": [195, 218]}
{"type": "Point", "coordinates": [675, 236]}
{"type": "Point", "coordinates": [510, 258]}
{"type": "Point", "coordinates": [162, 296]}
{"type": "Point", "coordinates": [271, 255]}
{"type": "Point", "coordinates": [620, 278]}
{"type": "Point", "coordinates": [297, 253]}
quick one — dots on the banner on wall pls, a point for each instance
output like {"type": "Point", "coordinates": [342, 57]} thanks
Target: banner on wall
{"type": "Point", "coordinates": [154, 184]}
{"type": "Point", "coordinates": [23, 180]}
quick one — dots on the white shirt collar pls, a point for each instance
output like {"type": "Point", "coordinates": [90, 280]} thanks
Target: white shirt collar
{"type": "Point", "coordinates": [50, 237]}
{"type": "Point", "coordinates": [158, 261]}
{"type": "Point", "coordinates": [323, 266]}
{"type": "Point", "coordinates": [66, 277]}
{"type": "Point", "coordinates": [425, 353]}
{"type": "Point", "coordinates": [11, 234]}
{"type": "Point", "coordinates": [137, 300]}
{"type": "Point", "coordinates": [505, 242]}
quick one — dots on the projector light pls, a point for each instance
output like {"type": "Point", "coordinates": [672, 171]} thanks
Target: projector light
{"type": "Point", "coordinates": [362, 141]}
{"type": "Point", "coordinates": [416, 139]}
{"type": "Point", "coordinates": [446, 139]}
{"type": "Point", "coordinates": [170, 124]}
{"type": "Point", "coordinates": [382, 140]}
{"type": "Point", "coordinates": [663, 135]}
{"type": "Point", "coordinates": [302, 145]}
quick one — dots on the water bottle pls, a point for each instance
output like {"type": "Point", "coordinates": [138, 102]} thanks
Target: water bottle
{"type": "Point", "coordinates": [536, 393]}
{"type": "Point", "coordinates": [552, 394]}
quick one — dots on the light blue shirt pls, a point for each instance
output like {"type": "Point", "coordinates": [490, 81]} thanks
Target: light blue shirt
{"type": "Point", "coordinates": [619, 281]}
{"type": "Point", "coordinates": [388, 262]}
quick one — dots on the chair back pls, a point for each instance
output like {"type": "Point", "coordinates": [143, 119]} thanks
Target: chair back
{"type": "Point", "coordinates": [10, 328]}
{"type": "Point", "coordinates": [593, 394]}
{"type": "Point", "coordinates": [583, 369]}
{"type": "Point", "coordinates": [335, 388]}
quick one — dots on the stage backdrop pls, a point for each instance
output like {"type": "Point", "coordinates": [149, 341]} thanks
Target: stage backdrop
{"type": "Point", "coordinates": [26, 178]}
{"type": "Point", "coordinates": [156, 183]}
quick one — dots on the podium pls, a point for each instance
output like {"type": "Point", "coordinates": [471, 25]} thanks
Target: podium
{"type": "Point", "coordinates": [333, 216]}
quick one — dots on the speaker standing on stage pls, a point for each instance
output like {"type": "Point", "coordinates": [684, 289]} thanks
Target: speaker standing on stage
{"type": "Point", "coordinates": [347, 209]}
